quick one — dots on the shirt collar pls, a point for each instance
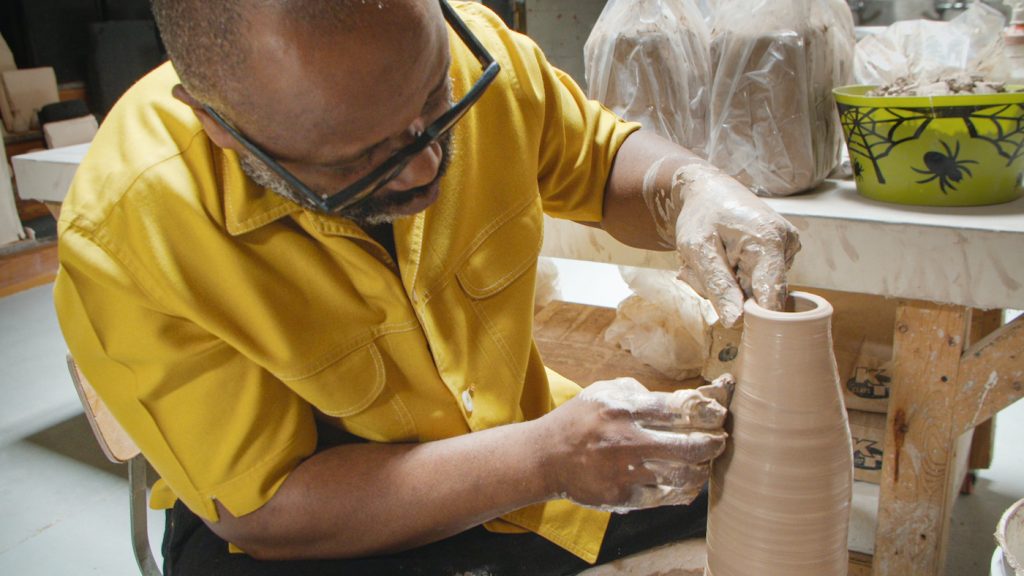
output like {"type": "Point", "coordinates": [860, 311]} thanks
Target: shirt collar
{"type": "Point", "coordinates": [247, 205]}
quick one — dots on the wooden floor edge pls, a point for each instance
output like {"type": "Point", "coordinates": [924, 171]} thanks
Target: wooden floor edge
{"type": "Point", "coordinates": [28, 268]}
{"type": "Point", "coordinates": [10, 289]}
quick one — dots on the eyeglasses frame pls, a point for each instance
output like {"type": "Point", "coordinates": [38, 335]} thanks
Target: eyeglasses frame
{"type": "Point", "coordinates": [394, 165]}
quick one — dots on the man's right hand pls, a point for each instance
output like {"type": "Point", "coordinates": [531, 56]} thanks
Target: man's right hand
{"type": "Point", "coordinates": [619, 446]}
{"type": "Point", "coordinates": [615, 446]}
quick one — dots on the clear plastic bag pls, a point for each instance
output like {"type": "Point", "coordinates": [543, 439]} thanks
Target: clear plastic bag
{"type": "Point", "coordinates": [707, 10]}
{"type": "Point", "coordinates": [925, 50]}
{"type": "Point", "coordinates": [775, 63]}
{"type": "Point", "coordinates": [547, 286]}
{"type": "Point", "coordinates": [664, 324]}
{"type": "Point", "coordinates": [647, 60]}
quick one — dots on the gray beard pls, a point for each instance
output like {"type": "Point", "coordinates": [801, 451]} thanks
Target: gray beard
{"type": "Point", "coordinates": [370, 211]}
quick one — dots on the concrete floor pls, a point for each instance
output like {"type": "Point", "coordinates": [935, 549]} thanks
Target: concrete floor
{"type": "Point", "coordinates": [64, 508]}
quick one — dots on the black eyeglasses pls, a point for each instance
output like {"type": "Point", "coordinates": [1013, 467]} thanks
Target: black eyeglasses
{"type": "Point", "coordinates": [393, 166]}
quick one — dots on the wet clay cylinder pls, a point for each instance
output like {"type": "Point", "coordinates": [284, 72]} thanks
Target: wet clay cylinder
{"type": "Point", "coordinates": [780, 494]}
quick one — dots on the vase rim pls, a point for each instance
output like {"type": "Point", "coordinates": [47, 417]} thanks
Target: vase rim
{"type": "Point", "coordinates": [812, 307]}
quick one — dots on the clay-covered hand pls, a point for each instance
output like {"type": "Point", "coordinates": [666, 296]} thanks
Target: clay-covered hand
{"type": "Point", "coordinates": [730, 242]}
{"type": "Point", "coordinates": [618, 446]}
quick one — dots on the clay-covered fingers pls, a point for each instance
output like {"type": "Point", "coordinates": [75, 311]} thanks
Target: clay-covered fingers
{"type": "Point", "coordinates": [654, 495]}
{"type": "Point", "coordinates": [693, 447]}
{"type": "Point", "coordinates": [673, 483]}
{"type": "Point", "coordinates": [678, 474]}
{"type": "Point", "coordinates": [618, 445]}
{"type": "Point", "coordinates": [704, 408]}
{"type": "Point", "coordinates": [764, 262]}
{"type": "Point", "coordinates": [679, 411]}
{"type": "Point", "coordinates": [704, 265]}
{"type": "Point", "coordinates": [720, 390]}
{"type": "Point", "coordinates": [730, 242]}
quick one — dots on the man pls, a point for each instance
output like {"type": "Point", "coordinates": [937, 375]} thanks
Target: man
{"type": "Point", "coordinates": [299, 266]}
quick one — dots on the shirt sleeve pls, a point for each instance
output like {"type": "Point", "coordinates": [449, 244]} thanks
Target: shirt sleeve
{"type": "Point", "coordinates": [570, 140]}
{"type": "Point", "coordinates": [579, 140]}
{"type": "Point", "coordinates": [214, 425]}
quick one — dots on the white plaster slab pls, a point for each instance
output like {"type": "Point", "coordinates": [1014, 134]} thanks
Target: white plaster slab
{"type": "Point", "coordinates": [46, 175]}
{"type": "Point", "coordinates": [10, 224]}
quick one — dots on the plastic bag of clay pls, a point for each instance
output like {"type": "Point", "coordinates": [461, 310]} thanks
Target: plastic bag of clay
{"type": "Point", "coordinates": [775, 63]}
{"type": "Point", "coordinates": [547, 288]}
{"type": "Point", "coordinates": [707, 10]}
{"type": "Point", "coordinates": [647, 60]}
{"type": "Point", "coordinates": [924, 50]}
{"type": "Point", "coordinates": [664, 324]}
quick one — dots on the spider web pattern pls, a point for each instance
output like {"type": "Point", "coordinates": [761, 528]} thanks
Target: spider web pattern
{"type": "Point", "coordinates": [1002, 126]}
{"type": "Point", "coordinates": [875, 132]}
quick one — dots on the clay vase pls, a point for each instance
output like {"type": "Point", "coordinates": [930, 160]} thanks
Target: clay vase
{"type": "Point", "coordinates": [780, 494]}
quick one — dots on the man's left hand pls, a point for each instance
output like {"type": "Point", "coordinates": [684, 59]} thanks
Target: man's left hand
{"type": "Point", "coordinates": [730, 242]}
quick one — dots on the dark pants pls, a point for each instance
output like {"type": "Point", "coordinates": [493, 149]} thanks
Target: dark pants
{"type": "Point", "coordinates": [191, 549]}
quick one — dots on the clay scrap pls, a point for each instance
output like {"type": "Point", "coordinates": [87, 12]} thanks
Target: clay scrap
{"type": "Point", "coordinates": [946, 86]}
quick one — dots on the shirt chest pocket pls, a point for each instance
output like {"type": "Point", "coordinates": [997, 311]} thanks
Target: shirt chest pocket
{"type": "Point", "coordinates": [497, 292]}
{"type": "Point", "coordinates": [354, 390]}
{"type": "Point", "coordinates": [504, 256]}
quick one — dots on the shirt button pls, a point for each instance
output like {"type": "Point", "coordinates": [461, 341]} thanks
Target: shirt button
{"type": "Point", "coordinates": [467, 401]}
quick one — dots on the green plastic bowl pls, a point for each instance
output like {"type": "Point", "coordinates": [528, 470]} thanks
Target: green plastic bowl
{"type": "Point", "coordinates": [963, 150]}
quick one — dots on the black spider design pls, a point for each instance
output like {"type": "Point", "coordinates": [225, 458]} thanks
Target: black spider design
{"type": "Point", "coordinates": [948, 168]}
{"type": "Point", "coordinates": [858, 169]}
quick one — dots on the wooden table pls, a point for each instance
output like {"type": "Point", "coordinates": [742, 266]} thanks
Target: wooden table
{"type": "Point", "coordinates": [945, 266]}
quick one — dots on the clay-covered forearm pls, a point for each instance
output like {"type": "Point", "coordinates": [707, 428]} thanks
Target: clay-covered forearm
{"type": "Point", "coordinates": [615, 446]}
{"type": "Point", "coordinates": [363, 499]}
{"type": "Point", "coordinates": [731, 244]}
{"type": "Point", "coordinates": [631, 216]}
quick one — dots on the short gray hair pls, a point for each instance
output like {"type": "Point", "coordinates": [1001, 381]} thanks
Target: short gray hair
{"type": "Point", "coordinates": [208, 40]}
{"type": "Point", "coordinates": [204, 49]}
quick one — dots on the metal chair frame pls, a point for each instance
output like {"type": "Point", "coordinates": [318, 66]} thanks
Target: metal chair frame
{"type": "Point", "coordinates": [119, 448]}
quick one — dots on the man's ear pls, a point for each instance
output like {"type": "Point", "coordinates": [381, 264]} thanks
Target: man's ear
{"type": "Point", "coordinates": [215, 131]}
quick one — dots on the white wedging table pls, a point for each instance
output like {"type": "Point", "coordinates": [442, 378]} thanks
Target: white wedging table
{"type": "Point", "coordinates": [972, 256]}
{"type": "Point", "coordinates": [942, 263]}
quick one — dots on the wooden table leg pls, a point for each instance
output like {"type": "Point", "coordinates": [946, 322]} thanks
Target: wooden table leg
{"type": "Point", "coordinates": [918, 468]}
{"type": "Point", "coordinates": [940, 393]}
{"type": "Point", "coordinates": [983, 323]}
{"type": "Point", "coordinates": [991, 375]}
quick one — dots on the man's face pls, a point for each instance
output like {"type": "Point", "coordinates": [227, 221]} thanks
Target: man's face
{"type": "Point", "coordinates": [379, 208]}
{"type": "Point", "coordinates": [334, 104]}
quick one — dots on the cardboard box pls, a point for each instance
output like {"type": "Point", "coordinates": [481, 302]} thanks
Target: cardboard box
{"type": "Point", "coordinates": [867, 429]}
{"type": "Point", "coordinates": [862, 336]}
{"type": "Point", "coordinates": [70, 132]}
{"type": "Point", "coordinates": [27, 90]}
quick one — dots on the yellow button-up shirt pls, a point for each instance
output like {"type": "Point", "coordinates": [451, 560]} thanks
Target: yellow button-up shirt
{"type": "Point", "coordinates": [217, 320]}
